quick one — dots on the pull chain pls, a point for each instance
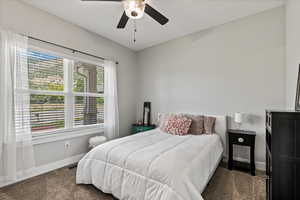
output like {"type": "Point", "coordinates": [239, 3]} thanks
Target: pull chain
{"type": "Point", "coordinates": [134, 32]}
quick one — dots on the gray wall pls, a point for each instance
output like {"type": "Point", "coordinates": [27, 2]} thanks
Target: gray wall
{"type": "Point", "coordinates": [236, 67]}
{"type": "Point", "coordinates": [292, 50]}
{"type": "Point", "coordinates": [239, 66]}
{"type": "Point", "coordinates": [22, 18]}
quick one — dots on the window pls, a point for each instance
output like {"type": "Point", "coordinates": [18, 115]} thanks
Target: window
{"type": "Point", "coordinates": [64, 93]}
{"type": "Point", "coordinates": [88, 85]}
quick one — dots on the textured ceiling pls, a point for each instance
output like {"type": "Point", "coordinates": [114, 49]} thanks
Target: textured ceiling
{"type": "Point", "coordinates": [186, 16]}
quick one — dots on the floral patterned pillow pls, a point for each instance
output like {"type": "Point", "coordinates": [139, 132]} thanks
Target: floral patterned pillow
{"type": "Point", "coordinates": [163, 120]}
{"type": "Point", "coordinates": [178, 125]}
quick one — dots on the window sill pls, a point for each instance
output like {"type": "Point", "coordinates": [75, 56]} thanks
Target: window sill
{"type": "Point", "coordinates": [67, 134]}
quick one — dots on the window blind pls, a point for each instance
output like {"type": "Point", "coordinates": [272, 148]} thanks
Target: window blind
{"type": "Point", "coordinates": [63, 93]}
{"type": "Point", "coordinates": [88, 79]}
{"type": "Point", "coordinates": [45, 72]}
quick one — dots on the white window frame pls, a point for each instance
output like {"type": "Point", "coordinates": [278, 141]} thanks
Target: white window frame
{"type": "Point", "coordinates": [70, 130]}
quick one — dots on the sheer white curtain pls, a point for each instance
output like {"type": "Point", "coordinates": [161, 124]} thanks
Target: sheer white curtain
{"type": "Point", "coordinates": [16, 151]}
{"type": "Point", "coordinates": [111, 111]}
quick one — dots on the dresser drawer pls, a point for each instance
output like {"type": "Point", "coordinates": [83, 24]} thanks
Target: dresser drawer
{"type": "Point", "coordinates": [242, 139]}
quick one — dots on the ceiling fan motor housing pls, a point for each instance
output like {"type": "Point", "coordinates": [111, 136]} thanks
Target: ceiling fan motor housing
{"type": "Point", "coordinates": [134, 14]}
{"type": "Point", "coordinates": [134, 8]}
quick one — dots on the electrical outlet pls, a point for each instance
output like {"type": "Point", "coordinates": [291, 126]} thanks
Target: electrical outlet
{"type": "Point", "coordinates": [67, 144]}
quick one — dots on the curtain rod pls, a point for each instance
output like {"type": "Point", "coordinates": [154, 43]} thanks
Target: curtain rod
{"type": "Point", "coordinates": [64, 47]}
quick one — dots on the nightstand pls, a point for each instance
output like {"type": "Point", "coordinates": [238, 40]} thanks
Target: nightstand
{"type": "Point", "coordinates": [136, 128]}
{"type": "Point", "coordinates": [242, 138]}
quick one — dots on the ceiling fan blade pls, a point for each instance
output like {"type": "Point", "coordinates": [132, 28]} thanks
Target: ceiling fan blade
{"type": "Point", "coordinates": [157, 16]}
{"type": "Point", "coordinates": [103, 0]}
{"type": "Point", "coordinates": [123, 21]}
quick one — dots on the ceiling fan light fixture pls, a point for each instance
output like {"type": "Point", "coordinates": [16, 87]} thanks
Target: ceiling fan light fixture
{"type": "Point", "coordinates": [134, 9]}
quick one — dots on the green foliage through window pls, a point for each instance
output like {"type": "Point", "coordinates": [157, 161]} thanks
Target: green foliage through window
{"type": "Point", "coordinates": [46, 73]}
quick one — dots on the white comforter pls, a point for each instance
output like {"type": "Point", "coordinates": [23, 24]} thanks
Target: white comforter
{"type": "Point", "coordinates": [152, 166]}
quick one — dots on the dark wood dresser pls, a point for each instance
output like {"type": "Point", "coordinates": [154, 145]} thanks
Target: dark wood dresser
{"type": "Point", "coordinates": [283, 155]}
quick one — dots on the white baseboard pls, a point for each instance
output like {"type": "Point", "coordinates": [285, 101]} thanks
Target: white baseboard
{"type": "Point", "coordinates": [259, 165]}
{"type": "Point", "coordinates": [45, 168]}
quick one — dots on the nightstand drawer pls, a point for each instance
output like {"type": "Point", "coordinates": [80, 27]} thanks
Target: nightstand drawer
{"type": "Point", "coordinates": [243, 140]}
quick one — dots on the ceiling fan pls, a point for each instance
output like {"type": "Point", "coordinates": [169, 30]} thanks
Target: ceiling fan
{"type": "Point", "coordinates": [135, 9]}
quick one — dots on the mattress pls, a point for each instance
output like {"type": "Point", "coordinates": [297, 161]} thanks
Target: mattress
{"type": "Point", "coordinates": [152, 166]}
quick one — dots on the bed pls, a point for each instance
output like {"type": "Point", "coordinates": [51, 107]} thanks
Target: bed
{"type": "Point", "coordinates": [154, 165]}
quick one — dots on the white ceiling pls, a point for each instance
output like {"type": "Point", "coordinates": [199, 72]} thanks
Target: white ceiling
{"type": "Point", "coordinates": [186, 16]}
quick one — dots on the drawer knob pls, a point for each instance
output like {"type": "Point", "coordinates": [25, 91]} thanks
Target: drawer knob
{"type": "Point", "coordinates": [241, 140]}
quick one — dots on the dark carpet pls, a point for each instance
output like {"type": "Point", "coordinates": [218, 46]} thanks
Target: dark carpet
{"type": "Point", "coordinates": [60, 185]}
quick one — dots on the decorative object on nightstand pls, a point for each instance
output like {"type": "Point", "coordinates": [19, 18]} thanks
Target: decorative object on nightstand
{"type": "Point", "coordinates": [238, 119]}
{"type": "Point", "coordinates": [243, 138]}
{"type": "Point", "coordinates": [137, 128]}
{"type": "Point", "coordinates": [147, 114]}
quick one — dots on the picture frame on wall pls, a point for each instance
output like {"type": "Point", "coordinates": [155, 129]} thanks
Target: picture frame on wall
{"type": "Point", "coordinates": [297, 103]}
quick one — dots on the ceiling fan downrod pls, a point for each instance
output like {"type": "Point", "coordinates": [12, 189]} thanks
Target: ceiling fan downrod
{"type": "Point", "coordinates": [134, 32]}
